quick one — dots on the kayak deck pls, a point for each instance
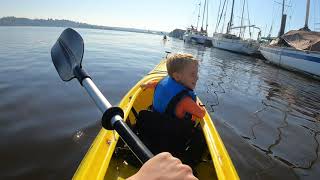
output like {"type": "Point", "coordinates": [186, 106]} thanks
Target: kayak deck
{"type": "Point", "coordinates": [103, 161]}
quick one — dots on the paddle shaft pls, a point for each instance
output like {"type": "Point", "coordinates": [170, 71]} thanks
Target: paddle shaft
{"type": "Point", "coordinates": [131, 139]}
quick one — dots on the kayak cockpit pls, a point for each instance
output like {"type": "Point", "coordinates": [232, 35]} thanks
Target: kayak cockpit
{"type": "Point", "coordinates": [124, 164]}
{"type": "Point", "coordinates": [106, 158]}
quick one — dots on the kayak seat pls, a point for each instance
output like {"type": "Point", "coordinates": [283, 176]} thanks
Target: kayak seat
{"type": "Point", "coordinates": [162, 133]}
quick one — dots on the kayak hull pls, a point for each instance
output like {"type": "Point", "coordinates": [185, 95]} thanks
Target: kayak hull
{"type": "Point", "coordinates": [103, 162]}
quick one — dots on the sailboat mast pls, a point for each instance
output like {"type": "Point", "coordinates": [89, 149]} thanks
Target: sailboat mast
{"type": "Point", "coordinates": [307, 15]}
{"type": "Point", "coordinates": [283, 4]}
{"type": "Point", "coordinates": [207, 16]}
{"type": "Point", "coordinates": [198, 15]}
{"type": "Point", "coordinates": [204, 11]}
{"type": "Point", "coordinates": [219, 17]}
{"type": "Point", "coordinates": [218, 21]}
{"type": "Point", "coordinates": [231, 19]}
{"type": "Point", "coordinates": [283, 20]}
{"type": "Point", "coordinates": [241, 28]}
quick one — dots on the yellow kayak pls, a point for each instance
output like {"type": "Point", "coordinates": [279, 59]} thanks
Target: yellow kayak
{"type": "Point", "coordinates": [104, 159]}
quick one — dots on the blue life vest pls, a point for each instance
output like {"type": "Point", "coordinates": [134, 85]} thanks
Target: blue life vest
{"type": "Point", "coordinates": [168, 93]}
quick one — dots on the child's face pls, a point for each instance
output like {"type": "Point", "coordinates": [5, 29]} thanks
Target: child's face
{"type": "Point", "coordinates": [189, 75]}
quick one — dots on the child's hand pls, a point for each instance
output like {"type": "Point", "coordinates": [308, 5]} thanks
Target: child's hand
{"type": "Point", "coordinates": [150, 84]}
{"type": "Point", "coordinates": [201, 105]}
{"type": "Point", "coordinates": [143, 86]}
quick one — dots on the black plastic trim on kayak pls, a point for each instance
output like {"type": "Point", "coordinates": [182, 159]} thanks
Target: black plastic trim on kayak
{"type": "Point", "coordinates": [134, 112]}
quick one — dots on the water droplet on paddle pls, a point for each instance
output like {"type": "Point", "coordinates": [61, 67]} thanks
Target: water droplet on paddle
{"type": "Point", "coordinates": [78, 135]}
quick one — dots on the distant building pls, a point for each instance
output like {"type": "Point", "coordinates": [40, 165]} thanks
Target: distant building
{"type": "Point", "coordinates": [177, 33]}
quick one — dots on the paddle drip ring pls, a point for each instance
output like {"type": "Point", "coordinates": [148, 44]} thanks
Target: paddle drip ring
{"type": "Point", "coordinates": [108, 115]}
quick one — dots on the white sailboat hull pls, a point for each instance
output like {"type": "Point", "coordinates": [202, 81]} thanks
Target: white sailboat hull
{"type": "Point", "coordinates": [307, 62]}
{"type": "Point", "coordinates": [236, 45]}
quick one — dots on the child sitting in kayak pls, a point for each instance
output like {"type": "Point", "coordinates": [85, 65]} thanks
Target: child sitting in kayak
{"type": "Point", "coordinates": [174, 94]}
{"type": "Point", "coordinates": [168, 128]}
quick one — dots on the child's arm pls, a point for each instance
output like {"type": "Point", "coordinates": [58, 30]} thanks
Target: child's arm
{"type": "Point", "coordinates": [187, 105]}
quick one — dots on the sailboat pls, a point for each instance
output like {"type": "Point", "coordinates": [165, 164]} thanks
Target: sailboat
{"type": "Point", "coordinates": [297, 49]}
{"type": "Point", "coordinates": [192, 34]}
{"type": "Point", "coordinates": [231, 42]}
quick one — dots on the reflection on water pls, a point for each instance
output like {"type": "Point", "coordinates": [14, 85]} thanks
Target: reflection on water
{"type": "Point", "coordinates": [274, 110]}
{"type": "Point", "coordinates": [267, 117]}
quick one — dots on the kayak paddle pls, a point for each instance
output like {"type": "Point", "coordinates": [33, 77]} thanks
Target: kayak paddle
{"type": "Point", "coordinates": [67, 54]}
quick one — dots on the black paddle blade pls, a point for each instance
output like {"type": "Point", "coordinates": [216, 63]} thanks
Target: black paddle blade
{"type": "Point", "coordinates": [67, 53]}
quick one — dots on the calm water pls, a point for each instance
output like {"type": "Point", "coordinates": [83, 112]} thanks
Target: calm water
{"type": "Point", "coordinates": [267, 117]}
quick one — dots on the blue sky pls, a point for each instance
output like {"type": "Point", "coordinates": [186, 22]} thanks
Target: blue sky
{"type": "Point", "coordinates": [164, 15]}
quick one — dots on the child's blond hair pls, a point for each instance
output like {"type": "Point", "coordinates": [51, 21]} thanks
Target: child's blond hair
{"type": "Point", "coordinates": [177, 62]}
